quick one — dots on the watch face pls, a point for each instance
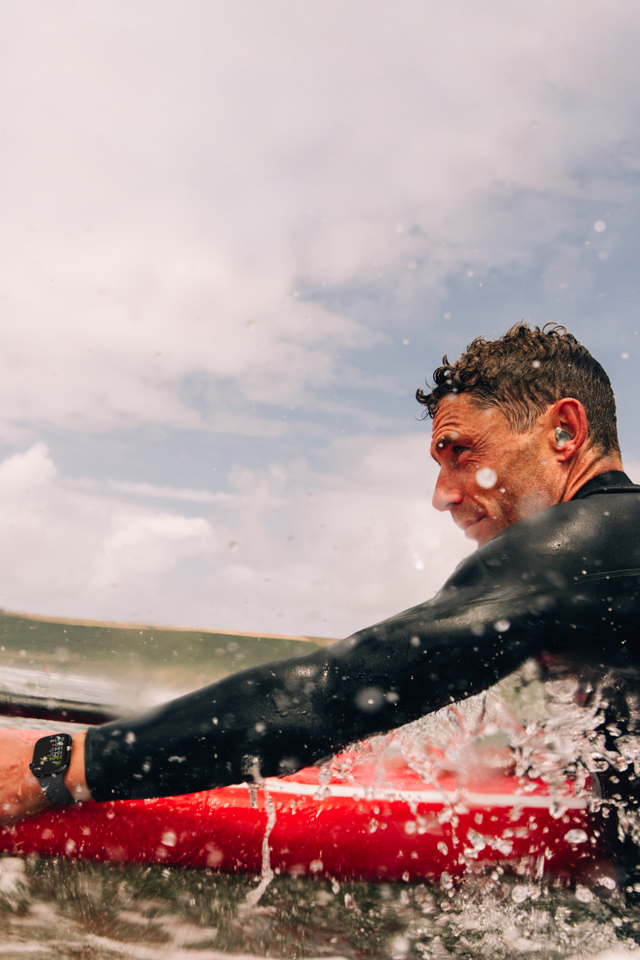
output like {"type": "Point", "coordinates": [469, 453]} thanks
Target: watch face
{"type": "Point", "coordinates": [51, 754]}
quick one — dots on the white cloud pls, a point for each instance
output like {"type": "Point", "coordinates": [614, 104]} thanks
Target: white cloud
{"type": "Point", "coordinates": [66, 552]}
{"type": "Point", "coordinates": [194, 199]}
{"type": "Point", "coordinates": [331, 553]}
{"type": "Point", "coordinates": [292, 550]}
{"type": "Point", "coordinates": [120, 358]}
{"type": "Point", "coordinates": [166, 493]}
{"type": "Point", "coordinates": [169, 176]}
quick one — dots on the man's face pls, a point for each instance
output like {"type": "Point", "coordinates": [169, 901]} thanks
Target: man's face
{"type": "Point", "coordinates": [489, 476]}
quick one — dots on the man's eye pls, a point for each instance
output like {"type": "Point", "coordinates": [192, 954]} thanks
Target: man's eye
{"type": "Point", "coordinates": [458, 451]}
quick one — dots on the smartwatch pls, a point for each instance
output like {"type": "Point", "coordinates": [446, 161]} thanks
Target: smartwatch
{"type": "Point", "coordinates": [51, 757]}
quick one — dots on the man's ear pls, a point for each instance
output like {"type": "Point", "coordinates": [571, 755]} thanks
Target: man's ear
{"type": "Point", "coordinates": [570, 428]}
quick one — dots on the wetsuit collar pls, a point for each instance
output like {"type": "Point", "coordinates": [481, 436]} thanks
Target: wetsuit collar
{"type": "Point", "coordinates": [614, 481]}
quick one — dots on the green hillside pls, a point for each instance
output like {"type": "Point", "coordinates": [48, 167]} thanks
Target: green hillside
{"type": "Point", "coordinates": [138, 652]}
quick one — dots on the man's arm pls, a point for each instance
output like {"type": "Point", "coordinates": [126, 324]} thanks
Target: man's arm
{"type": "Point", "coordinates": [564, 581]}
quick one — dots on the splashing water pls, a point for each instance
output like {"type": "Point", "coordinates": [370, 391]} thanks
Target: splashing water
{"type": "Point", "coordinates": [267, 874]}
{"type": "Point", "coordinates": [554, 731]}
{"type": "Point", "coordinates": [551, 730]}
{"type": "Point", "coordinates": [106, 911]}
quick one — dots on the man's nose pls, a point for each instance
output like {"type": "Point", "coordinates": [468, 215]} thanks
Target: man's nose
{"type": "Point", "coordinates": [447, 492]}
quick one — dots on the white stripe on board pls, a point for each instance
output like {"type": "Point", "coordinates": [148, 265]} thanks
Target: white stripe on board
{"type": "Point", "coordinates": [435, 797]}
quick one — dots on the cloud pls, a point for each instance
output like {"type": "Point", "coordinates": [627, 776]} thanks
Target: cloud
{"type": "Point", "coordinates": [331, 552]}
{"type": "Point", "coordinates": [166, 493]}
{"type": "Point", "coordinates": [168, 192]}
{"type": "Point", "coordinates": [293, 549]}
{"type": "Point", "coordinates": [224, 219]}
{"type": "Point", "coordinates": [128, 359]}
{"type": "Point", "coordinates": [64, 551]}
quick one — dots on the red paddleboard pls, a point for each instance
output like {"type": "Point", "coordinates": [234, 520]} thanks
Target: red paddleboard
{"type": "Point", "coordinates": [379, 820]}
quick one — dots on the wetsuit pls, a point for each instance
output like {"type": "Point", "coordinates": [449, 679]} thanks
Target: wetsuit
{"type": "Point", "coordinates": [564, 582]}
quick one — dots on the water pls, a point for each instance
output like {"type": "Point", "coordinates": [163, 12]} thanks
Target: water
{"type": "Point", "coordinates": [61, 909]}
{"type": "Point", "coordinates": [64, 909]}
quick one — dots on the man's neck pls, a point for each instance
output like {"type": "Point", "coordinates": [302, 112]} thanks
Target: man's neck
{"type": "Point", "coordinates": [609, 482]}
{"type": "Point", "coordinates": [590, 465]}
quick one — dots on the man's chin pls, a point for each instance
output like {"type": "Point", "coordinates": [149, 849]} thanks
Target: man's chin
{"type": "Point", "coordinates": [472, 534]}
{"type": "Point", "coordinates": [481, 530]}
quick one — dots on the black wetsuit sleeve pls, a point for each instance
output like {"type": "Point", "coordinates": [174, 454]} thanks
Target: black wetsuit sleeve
{"type": "Point", "coordinates": [547, 583]}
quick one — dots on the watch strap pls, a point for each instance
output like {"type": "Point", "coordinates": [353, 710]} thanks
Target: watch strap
{"type": "Point", "coordinates": [55, 790]}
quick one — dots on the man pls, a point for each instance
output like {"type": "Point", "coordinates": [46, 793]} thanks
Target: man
{"type": "Point", "coordinates": [524, 433]}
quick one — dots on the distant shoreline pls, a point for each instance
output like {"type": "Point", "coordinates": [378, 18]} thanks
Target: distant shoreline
{"type": "Point", "coordinates": [113, 624]}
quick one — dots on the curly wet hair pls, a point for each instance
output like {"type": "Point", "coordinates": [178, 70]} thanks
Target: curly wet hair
{"type": "Point", "coordinates": [523, 372]}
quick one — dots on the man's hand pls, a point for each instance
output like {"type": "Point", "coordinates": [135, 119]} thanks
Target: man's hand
{"type": "Point", "coordinates": [20, 793]}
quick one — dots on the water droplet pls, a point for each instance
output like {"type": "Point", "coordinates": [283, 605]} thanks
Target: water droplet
{"type": "Point", "coordinates": [214, 855]}
{"type": "Point", "coordinates": [583, 894]}
{"type": "Point", "coordinates": [486, 478]}
{"type": "Point", "coordinates": [599, 226]}
{"type": "Point", "coordinates": [576, 836]}
{"type": "Point", "coordinates": [520, 893]}
{"type": "Point", "coordinates": [607, 882]}
{"type": "Point", "coordinates": [400, 945]}
{"type": "Point", "coordinates": [370, 699]}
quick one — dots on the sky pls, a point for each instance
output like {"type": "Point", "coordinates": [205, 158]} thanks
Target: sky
{"type": "Point", "coordinates": [235, 238]}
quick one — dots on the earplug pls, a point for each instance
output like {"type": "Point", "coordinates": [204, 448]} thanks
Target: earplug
{"type": "Point", "coordinates": [561, 436]}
